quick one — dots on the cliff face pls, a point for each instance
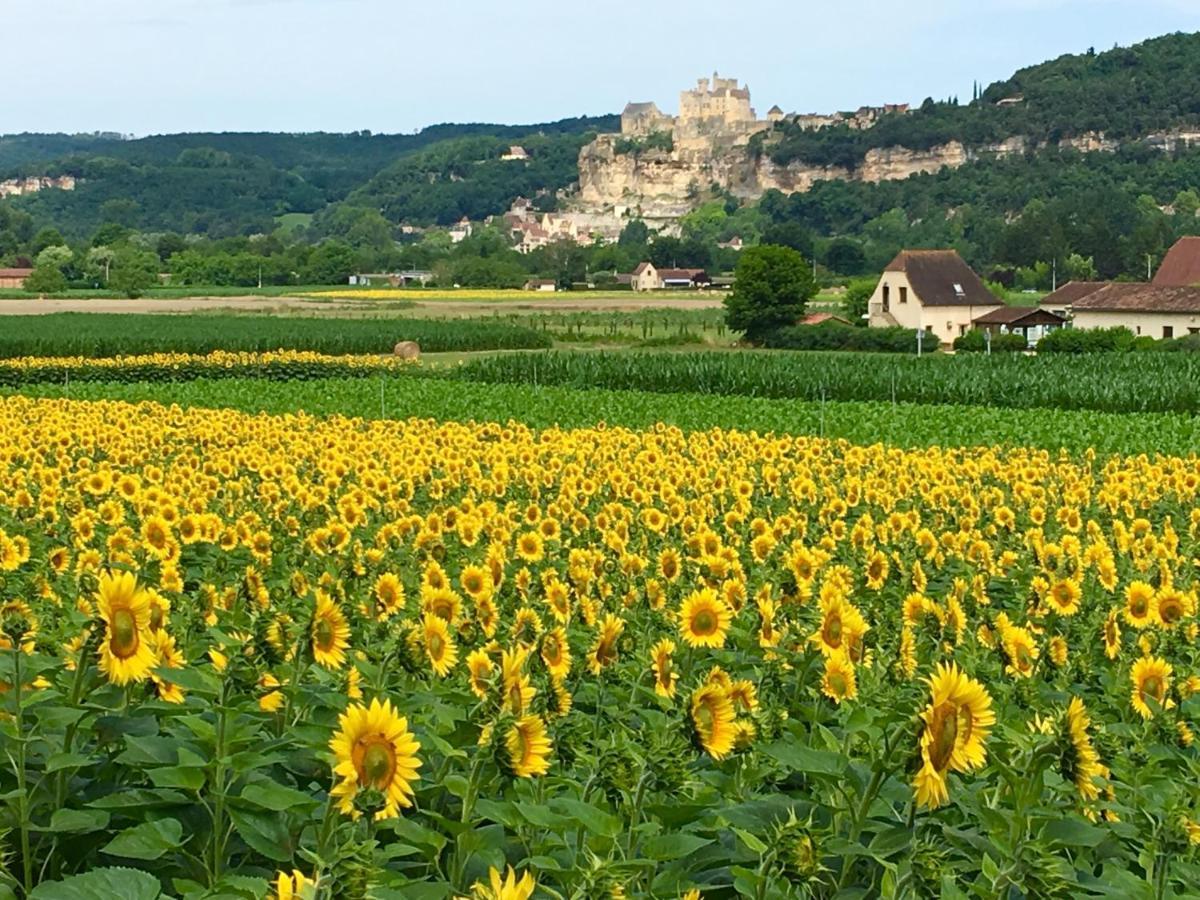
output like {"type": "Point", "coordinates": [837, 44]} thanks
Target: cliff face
{"type": "Point", "coordinates": [661, 185]}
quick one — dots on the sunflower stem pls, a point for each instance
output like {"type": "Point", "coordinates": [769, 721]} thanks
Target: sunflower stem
{"type": "Point", "coordinates": [22, 786]}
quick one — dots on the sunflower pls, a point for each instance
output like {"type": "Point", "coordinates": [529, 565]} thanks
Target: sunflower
{"type": "Point", "coordinates": [528, 747]}
{"type": "Point", "coordinates": [1151, 678]}
{"type": "Point", "coordinates": [1081, 763]}
{"type": "Point", "coordinates": [842, 625]}
{"type": "Point", "coordinates": [704, 619]}
{"type": "Point", "coordinates": [439, 644]}
{"type": "Point", "coordinates": [167, 656]}
{"type": "Point", "coordinates": [1141, 608]}
{"type": "Point", "coordinates": [712, 718]}
{"type": "Point", "coordinates": [957, 721]}
{"type": "Point", "coordinates": [476, 582]}
{"type": "Point", "coordinates": [479, 670]}
{"type": "Point", "coordinates": [604, 650]}
{"type": "Point", "coordinates": [669, 564]}
{"type": "Point", "coordinates": [1058, 650]}
{"type": "Point", "coordinates": [374, 750]}
{"type": "Point", "coordinates": [330, 633]}
{"type": "Point", "coordinates": [1021, 651]}
{"type": "Point", "coordinates": [556, 652]}
{"type": "Point", "coordinates": [296, 886]}
{"type": "Point", "coordinates": [508, 887]}
{"type": "Point", "coordinates": [1173, 606]}
{"type": "Point", "coordinates": [127, 650]}
{"type": "Point", "coordinates": [1112, 635]}
{"type": "Point", "coordinates": [530, 547]}
{"type": "Point", "coordinates": [518, 693]}
{"type": "Point", "coordinates": [389, 594]}
{"type": "Point", "coordinates": [1063, 596]}
{"type": "Point", "coordinates": [839, 682]}
{"type": "Point", "coordinates": [662, 664]}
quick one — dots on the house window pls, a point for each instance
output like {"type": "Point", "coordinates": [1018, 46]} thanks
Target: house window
{"type": "Point", "coordinates": [903, 294]}
{"type": "Point", "coordinates": [887, 290]}
{"type": "Point", "coordinates": [962, 329]}
{"type": "Point", "coordinates": [1193, 330]}
{"type": "Point", "coordinates": [1139, 329]}
{"type": "Point", "coordinates": [1168, 331]}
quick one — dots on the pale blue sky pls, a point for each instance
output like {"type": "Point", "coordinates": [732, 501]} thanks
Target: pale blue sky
{"type": "Point", "coordinates": [153, 66]}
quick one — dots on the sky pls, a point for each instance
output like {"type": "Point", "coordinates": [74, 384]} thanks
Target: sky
{"type": "Point", "coordinates": [161, 66]}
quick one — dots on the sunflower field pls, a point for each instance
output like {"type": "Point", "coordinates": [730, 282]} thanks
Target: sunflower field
{"type": "Point", "coordinates": [248, 656]}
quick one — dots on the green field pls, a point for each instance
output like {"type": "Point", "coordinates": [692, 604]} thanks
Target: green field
{"type": "Point", "coordinates": [901, 424]}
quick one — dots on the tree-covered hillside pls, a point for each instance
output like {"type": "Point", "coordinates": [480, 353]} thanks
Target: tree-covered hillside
{"type": "Point", "coordinates": [1126, 92]}
{"type": "Point", "coordinates": [237, 183]}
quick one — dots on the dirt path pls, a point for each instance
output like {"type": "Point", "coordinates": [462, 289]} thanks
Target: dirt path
{"type": "Point", "coordinates": [313, 306]}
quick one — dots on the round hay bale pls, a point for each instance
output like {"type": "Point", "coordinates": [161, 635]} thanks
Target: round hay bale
{"type": "Point", "coordinates": [407, 350]}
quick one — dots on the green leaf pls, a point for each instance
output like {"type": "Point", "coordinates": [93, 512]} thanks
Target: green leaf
{"type": "Point", "coordinates": [67, 761]}
{"type": "Point", "coordinates": [184, 777]}
{"type": "Point", "coordinates": [595, 820]}
{"type": "Point", "coordinates": [78, 821]}
{"type": "Point", "coordinates": [150, 840]}
{"type": "Point", "coordinates": [128, 884]}
{"type": "Point", "coordinates": [674, 846]}
{"type": "Point", "coordinates": [267, 834]}
{"type": "Point", "coordinates": [1074, 833]}
{"type": "Point", "coordinates": [536, 814]}
{"type": "Point", "coordinates": [805, 759]}
{"type": "Point", "coordinates": [275, 796]}
{"type": "Point", "coordinates": [752, 841]}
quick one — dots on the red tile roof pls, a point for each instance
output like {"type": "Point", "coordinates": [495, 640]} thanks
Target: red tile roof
{"type": "Point", "coordinates": [1181, 266]}
{"type": "Point", "coordinates": [15, 273]}
{"type": "Point", "coordinates": [1025, 315]}
{"type": "Point", "coordinates": [1071, 292]}
{"type": "Point", "coordinates": [818, 317]}
{"type": "Point", "coordinates": [1136, 297]}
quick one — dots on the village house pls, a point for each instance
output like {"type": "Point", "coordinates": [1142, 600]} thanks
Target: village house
{"type": "Point", "coordinates": [931, 290]}
{"type": "Point", "coordinates": [14, 278]}
{"type": "Point", "coordinates": [820, 318]}
{"type": "Point", "coordinates": [515, 152]}
{"type": "Point", "coordinates": [547, 285]}
{"type": "Point", "coordinates": [461, 231]}
{"type": "Point", "coordinates": [734, 243]}
{"type": "Point", "coordinates": [1152, 310]}
{"type": "Point", "coordinates": [647, 277]}
{"type": "Point", "coordinates": [1167, 307]}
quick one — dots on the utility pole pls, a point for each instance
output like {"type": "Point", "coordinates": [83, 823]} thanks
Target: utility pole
{"type": "Point", "coordinates": [1054, 274]}
{"type": "Point", "coordinates": [1148, 275]}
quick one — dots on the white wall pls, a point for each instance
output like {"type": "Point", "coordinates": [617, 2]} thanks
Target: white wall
{"type": "Point", "coordinates": [1144, 323]}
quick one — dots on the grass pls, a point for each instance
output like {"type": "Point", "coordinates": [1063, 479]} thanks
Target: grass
{"type": "Point", "coordinates": [898, 424]}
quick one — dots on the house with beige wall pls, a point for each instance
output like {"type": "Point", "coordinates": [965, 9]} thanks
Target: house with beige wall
{"type": "Point", "coordinates": [1151, 310]}
{"type": "Point", "coordinates": [931, 290]}
{"type": "Point", "coordinates": [1167, 307]}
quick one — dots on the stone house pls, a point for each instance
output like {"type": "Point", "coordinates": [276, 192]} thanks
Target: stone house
{"type": "Point", "coordinates": [645, 278]}
{"type": "Point", "coordinates": [547, 285]}
{"type": "Point", "coordinates": [931, 290]}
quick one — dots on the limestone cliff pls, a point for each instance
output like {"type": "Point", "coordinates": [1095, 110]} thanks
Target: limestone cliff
{"type": "Point", "coordinates": [662, 185]}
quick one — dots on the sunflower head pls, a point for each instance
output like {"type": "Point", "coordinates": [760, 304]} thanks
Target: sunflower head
{"type": "Point", "coordinates": [374, 752]}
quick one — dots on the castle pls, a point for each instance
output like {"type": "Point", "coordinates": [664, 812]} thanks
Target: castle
{"type": "Point", "coordinates": [716, 108]}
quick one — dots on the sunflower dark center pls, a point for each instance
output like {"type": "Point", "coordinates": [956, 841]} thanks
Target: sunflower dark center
{"type": "Point", "coordinates": [124, 642]}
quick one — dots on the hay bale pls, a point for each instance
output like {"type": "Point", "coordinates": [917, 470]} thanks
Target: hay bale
{"type": "Point", "coordinates": [407, 350]}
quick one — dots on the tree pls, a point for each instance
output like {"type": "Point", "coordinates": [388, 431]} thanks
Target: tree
{"type": "Point", "coordinates": [46, 280]}
{"type": "Point", "coordinates": [47, 237]}
{"type": "Point", "coordinates": [857, 298]}
{"type": "Point", "coordinates": [332, 262]}
{"type": "Point", "coordinates": [133, 271]}
{"type": "Point", "coordinates": [634, 235]}
{"type": "Point", "coordinates": [845, 256]}
{"type": "Point", "coordinates": [772, 285]}
{"type": "Point", "coordinates": [789, 234]}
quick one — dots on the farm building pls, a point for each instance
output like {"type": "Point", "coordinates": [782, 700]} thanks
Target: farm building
{"type": "Point", "coordinates": [1031, 322]}
{"type": "Point", "coordinates": [1154, 310]}
{"type": "Point", "coordinates": [646, 277]}
{"type": "Point", "coordinates": [931, 290]}
{"type": "Point", "coordinates": [541, 284]}
{"type": "Point", "coordinates": [14, 278]}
